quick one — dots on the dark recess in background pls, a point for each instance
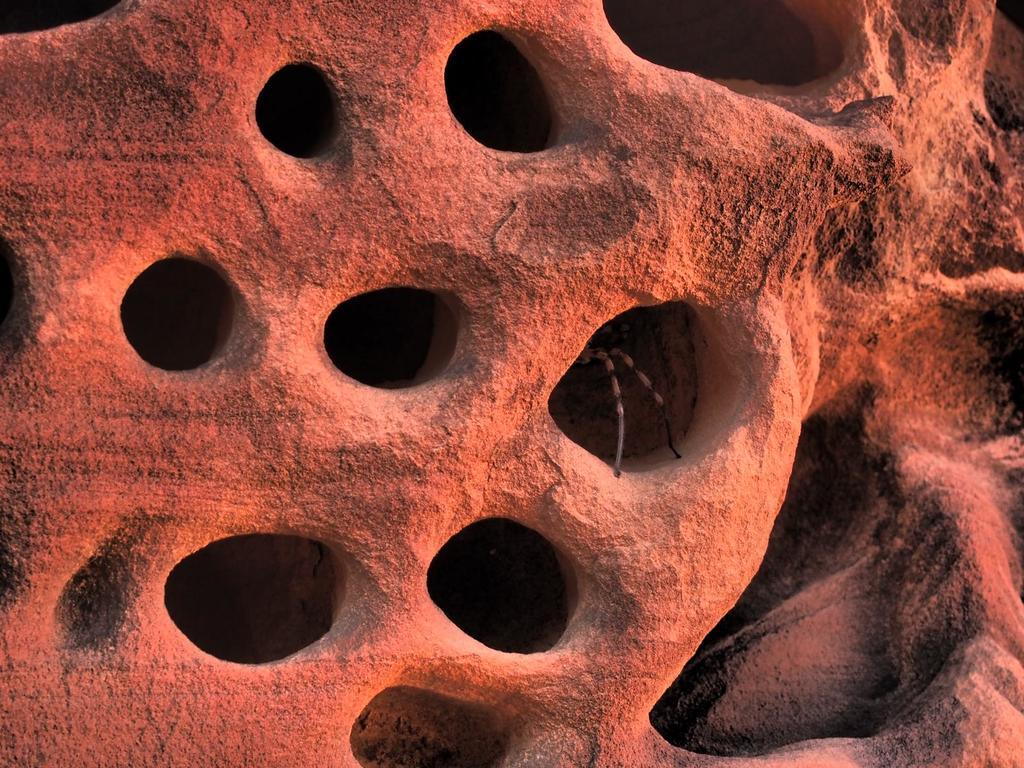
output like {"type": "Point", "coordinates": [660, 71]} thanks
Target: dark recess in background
{"type": "Point", "coordinates": [1014, 9]}
{"type": "Point", "coordinates": [36, 15]}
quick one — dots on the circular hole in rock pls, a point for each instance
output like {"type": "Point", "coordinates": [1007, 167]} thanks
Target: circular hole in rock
{"type": "Point", "coordinates": [6, 282]}
{"type": "Point", "coordinates": [497, 95]}
{"type": "Point", "coordinates": [653, 354]}
{"type": "Point", "coordinates": [177, 314]}
{"type": "Point", "coordinates": [502, 584]}
{"type": "Point", "coordinates": [392, 338]}
{"type": "Point", "coordinates": [772, 42]}
{"type": "Point", "coordinates": [404, 727]}
{"type": "Point", "coordinates": [35, 15]}
{"type": "Point", "coordinates": [254, 598]}
{"type": "Point", "coordinates": [296, 111]}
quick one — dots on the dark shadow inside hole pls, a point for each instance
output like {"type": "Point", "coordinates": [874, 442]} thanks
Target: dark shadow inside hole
{"type": "Point", "coordinates": [497, 95]}
{"type": "Point", "coordinates": [296, 111]}
{"type": "Point", "coordinates": [659, 341]}
{"type": "Point", "coordinates": [34, 15]}
{"type": "Point", "coordinates": [92, 606]}
{"type": "Point", "coordinates": [502, 584]}
{"type": "Point", "coordinates": [6, 282]}
{"type": "Point", "coordinates": [404, 727]}
{"type": "Point", "coordinates": [177, 314]}
{"type": "Point", "coordinates": [392, 338]}
{"type": "Point", "coordinates": [254, 598]}
{"type": "Point", "coordinates": [765, 41]}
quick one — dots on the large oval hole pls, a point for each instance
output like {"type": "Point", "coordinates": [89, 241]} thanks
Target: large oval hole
{"type": "Point", "coordinates": [34, 15]}
{"type": "Point", "coordinates": [392, 338]}
{"type": "Point", "coordinates": [254, 598]}
{"type": "Point", "coordinates": [772, 42]}
{"type": "Point", "coordinates": [645, 361]}
{"type": "Point", "coordinates": [502, 584]}
{"type": "Point", "coordinates": [497, 95]}
{"type": "Point", "coordinates": [177, 314]}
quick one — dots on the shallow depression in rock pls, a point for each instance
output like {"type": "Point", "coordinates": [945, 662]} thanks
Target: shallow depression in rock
{"type": "Point", "coordinates": [815, 647]}
{"type": "Point", "coordinates": [406, 727]}
{"type": "Point", "coordinates": [94, 603]}
{"type": "Point", "coordinates": [255, 598]}
{"type": "Point", "coordinates": [497, 95]}
{"type": "Point", "coordinates": [773, 42]}
{"type": "Point", "coordinates": [392, 338]}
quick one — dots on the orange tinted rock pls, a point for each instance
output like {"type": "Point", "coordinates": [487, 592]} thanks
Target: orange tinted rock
{"type": "Point", "coordinates": [802, 278]}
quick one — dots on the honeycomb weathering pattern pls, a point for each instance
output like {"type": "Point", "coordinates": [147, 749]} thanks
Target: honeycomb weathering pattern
{"type": "Point", "coordinates": [851, 249]}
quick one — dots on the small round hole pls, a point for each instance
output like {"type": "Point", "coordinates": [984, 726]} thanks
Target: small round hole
{"type": "Point", "coordinates": [502, 584]}
{"type": "Point", "coordinates": [497, 95]}
{"type": "Point", "coordinates": [405, 727]}
{"type": "Point", "coordinates": [392, 338]}
{"type": "Point", "coordinates": [6, 282]}
{"type": "Point", "coordinates": [296, 111]}
{"type": "Point", "coordinates": [652, 345]}
{"type": "Point", "coordinates": [177, 314]}
{"type": "Point", "coordinates": [35, 15]}
{"type": "Point", "coordinates": [254, 598]}
{"type": "Point", "coordinates": [772, 42]}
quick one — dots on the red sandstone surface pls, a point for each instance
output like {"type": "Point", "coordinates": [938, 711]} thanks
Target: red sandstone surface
{"type": "Point", "coordinates": [316, 319]}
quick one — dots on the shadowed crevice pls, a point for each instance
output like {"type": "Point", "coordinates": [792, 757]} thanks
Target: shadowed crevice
{"type": "Point", "coordinates": [763, 677]}
{"type": "Point", "coordinates": [865, 593]}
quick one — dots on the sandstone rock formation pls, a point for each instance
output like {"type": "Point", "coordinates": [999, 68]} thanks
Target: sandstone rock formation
{"type": "Point", "coordinates": [308, 310]}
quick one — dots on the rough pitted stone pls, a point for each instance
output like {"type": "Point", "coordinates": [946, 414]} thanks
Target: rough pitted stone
{"type": "Point", "coordinates": [831, 573]}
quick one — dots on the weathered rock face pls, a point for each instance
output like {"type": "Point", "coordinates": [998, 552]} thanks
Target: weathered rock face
{"type": "Point", "coordinates": [316, 318]}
